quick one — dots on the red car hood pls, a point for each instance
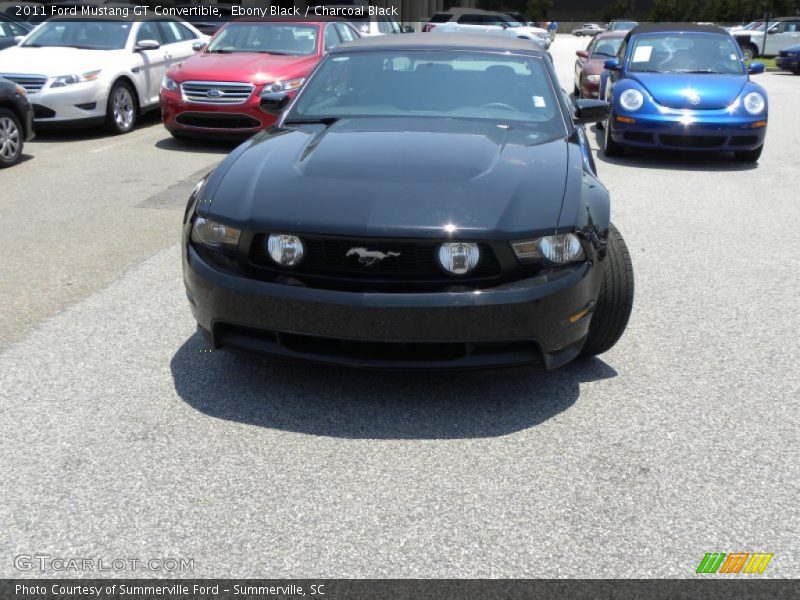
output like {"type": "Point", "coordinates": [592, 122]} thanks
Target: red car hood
{"type": "Point", "coordinates": [242, 66]}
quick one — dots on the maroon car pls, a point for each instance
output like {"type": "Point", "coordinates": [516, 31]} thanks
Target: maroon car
{"type": "Point", "coordinates": [590, 62]}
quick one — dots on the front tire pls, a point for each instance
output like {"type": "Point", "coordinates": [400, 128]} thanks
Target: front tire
{"type": "Point", "coordinates": [611, 148]}
{"type": "Point", "coordinates": [11, 138]}
{"type": "Point", "coordinates": [121, 109]}
{"type": "Point", "coordinates": [615, 302]}
{"type": "Point", "coordinates": [749, 155]}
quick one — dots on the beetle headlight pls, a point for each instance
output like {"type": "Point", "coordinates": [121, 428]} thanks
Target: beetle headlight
{"type": "Point", "coordinates": [286, 250]}
{"type": "Point", "coordinates": [631, 99]}
{"type": "Point", "coordinates": [754, 103]}
{"type": "Point", "coordinates": [214, 235]}
{"type": "Point", "coordinates": [559, 249]}
{"type": "Point", "coordinates": [459, 258]}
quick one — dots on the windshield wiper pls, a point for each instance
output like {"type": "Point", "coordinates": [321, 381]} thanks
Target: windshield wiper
{"type": "Point", "coordinates": [220, 51]}
{"type": "Point", "coordinates": [698, 71]}
{"type": "Point", "coordinates": [275, 52]}
{"type": "Point", "coordinates": [311, 120]}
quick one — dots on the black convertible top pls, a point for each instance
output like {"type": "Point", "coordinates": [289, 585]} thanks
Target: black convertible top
{"type": "Point", "coordinates": [440, 41]}
{"type": "Point", "coordinates": [675, 28]}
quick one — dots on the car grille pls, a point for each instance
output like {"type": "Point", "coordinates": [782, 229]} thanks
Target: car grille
{"type": "Point", "coordinates": [218, 121]}
{"type": "Point", "coordinates": [212, 92]}
{"type": "Point", "coordinates": [31, 83]}
{"type": "Point", "coordinates": [693, 141]}
{"type": "Point", "coordinates": [326, 260]}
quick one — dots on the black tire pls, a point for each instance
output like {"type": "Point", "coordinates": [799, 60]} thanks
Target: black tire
{"type": "Point", "coordinates": [749, 155]}
{"type": "Point", "coordinates": [611, 148]}
{"type": "Point", "coordinates": [116, 122]}
{"type": "Point", "coordinates": [12, 138]}
{"type": "Point", "coordinates": [615, 302]}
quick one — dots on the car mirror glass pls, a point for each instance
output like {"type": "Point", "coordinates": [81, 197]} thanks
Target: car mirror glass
{"type": "Point", "coordinates": [146, 45]}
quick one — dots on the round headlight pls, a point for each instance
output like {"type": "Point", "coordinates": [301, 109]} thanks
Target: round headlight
{"type": "Point", "coordinates": [754, 103]}
{"type": "Point", "coordinates": [286, 250]}
{"type": "Point", "coordinates": [561, 249]}
{"type": "Point", "coordinates": [631, 99]}
{"type": "Point", "coordinates": [459, 258]}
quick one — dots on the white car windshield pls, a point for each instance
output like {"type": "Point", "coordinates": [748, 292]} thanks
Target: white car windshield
{"type": "Point", "coordinates": [86, 35]}
{"type": "Point", "coordinates": [266, 38]}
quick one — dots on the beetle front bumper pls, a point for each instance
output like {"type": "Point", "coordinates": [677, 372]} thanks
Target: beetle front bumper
{"type": "Point", "coordinates": [711, 130]}
{"type": "Point", "coordinates": [543, 320]}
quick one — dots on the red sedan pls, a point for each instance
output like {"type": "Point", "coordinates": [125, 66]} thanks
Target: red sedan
{"type": "Point", "coordinates": [215, 93]}
{"type": "Point", "coordinates": [590, 62]}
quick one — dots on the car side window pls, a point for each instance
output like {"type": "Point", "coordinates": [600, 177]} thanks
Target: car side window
{"type": "Point", "coordinates": [591, 46]}
{"type": "Point", "coordinates": [170, 32]}
{"type": "Point", "coordinates": [331, 37]}
{"type": "Point", "coordinates": [621, 52]}
{"type": "Point", "coordinates": [395, 26]}
{"type": "Point", "coordinates": [345, 33]}
{"type": "Point", "coordinates": [149, 31]}
{"type": "Point", "coordinates": [383, 25]}
{"type": "Point", "coordinates": [793, 26]}
{"type": "Point", "coordinates": [185, 32]}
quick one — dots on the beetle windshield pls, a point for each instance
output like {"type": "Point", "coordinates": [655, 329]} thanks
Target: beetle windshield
{"type": "Point", "coordinates": [88, 35]}
{"type": "Point", "coordinates": [266, 38]}
{"type": "Point", "coordinates": [685, 53]}
{"type": "Point", "coordinates": [436, 83]}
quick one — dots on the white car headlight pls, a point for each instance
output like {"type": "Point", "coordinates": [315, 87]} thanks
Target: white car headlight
{"type": "Point", "coordinates": [65, 80]}
{"type": "Point", "coordinates": [284, 86]}
{"type": "Point", "coordinates": [558, 249]}
{"type": "Point", "coordinates": [169, 84]}
{"type": "Point", "coordinates": [459, 258]}
{"type": "Point", "coordinates": [214, 235]}
{"type": "Point", "coordinates": [754, 103]}
{"type": "Point", "coordinates": [631, 99]}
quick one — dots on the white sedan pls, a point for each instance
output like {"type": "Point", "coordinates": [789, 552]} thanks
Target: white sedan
{"type": "Point", "coordinates": [80, 71]}
{"type": "Point", "coordinates": [510, 28]}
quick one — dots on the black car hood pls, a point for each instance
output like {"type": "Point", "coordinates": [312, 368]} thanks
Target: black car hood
{"type": "Point", "coordinates": [385, 177]}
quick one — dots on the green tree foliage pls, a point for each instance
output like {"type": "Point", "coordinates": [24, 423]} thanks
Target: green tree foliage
{"type": "Point", "coordinates": [720, 10]}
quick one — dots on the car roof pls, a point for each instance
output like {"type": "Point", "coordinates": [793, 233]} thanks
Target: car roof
{"type": "Point", "coordinates": [675, 28]}
{"type": "Point", "coordinates": [438, 41]}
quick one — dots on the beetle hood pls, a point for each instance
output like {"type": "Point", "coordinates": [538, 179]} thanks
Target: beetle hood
{"type": "Point", "coordinates": [696, 91]}
{"type": "Point", "coordinates": [404, 177]}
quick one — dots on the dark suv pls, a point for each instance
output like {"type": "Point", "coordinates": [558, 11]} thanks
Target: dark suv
{"type": "Point", "coordinates": [16, 122]}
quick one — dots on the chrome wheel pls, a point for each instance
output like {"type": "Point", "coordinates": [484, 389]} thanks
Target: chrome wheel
{"type": "Point", "coordinates": [123, 108]}
{"type": "Point", "coordinates": [9, 139]}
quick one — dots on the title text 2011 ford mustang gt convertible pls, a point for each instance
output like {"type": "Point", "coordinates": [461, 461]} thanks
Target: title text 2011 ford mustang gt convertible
{"type": "Point", "coordinates": [424, 202]}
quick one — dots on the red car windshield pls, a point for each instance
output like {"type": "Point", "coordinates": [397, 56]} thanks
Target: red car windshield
{"type": "Point", "coordinates": [266, 38]}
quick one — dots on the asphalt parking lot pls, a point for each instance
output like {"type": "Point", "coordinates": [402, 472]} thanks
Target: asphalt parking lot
{"type": "Point", "coordinates": [121, 437]}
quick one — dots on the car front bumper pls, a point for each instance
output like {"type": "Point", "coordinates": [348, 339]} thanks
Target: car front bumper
{"type": "Point", "coordinates": [538, 321]}
{"type": "Point", "coordinates": [707, 130]}
{"type": "Point", "coordinates": [221, 121]}
{"type": "Point", "coordinates": [78, 103]}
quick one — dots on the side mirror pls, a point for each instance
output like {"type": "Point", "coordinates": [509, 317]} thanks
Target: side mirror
{"type": "Point", "coordinates": [273, 103]}
{"type": "Point", "coordinates": [582, 54]}
{"type": "Point", "coordinates": [773, 30]}
{"type": "Point", "coordinates": [591, 111]}
{"type": "Point", "coordinates": [199, 46]}
{"type": "Point", "coordinates": [407, 29]}
{"type": "Point", "coordinates": [612, 64]}
{"type": "Point", "coordinates": [146, 45]}
{"type": "Point", "coordinates": [755, 68]}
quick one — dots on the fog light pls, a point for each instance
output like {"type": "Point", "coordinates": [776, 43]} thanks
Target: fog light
{"type": "Point", "coordinates": [459, 258]}
{"type": "Point", "coordinates": [286, 250]}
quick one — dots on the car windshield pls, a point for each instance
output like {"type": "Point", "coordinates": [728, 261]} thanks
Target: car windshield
{"type": "Point", "coordinates": [606, 48]}
{"type": "Point", "coordinates": [755, 26]}
{"type": "Point", "coordinates": [87, 35]}
{"type": "Point", "coordinates": [685, 53]}
{"type": "Point", "coordinates": [267, 38]}
{"type": "Point", "coordinates": [437, 83]}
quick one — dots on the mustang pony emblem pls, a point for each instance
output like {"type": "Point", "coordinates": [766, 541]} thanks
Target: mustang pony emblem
{"type": "Point", "coordinates": [369, 258]}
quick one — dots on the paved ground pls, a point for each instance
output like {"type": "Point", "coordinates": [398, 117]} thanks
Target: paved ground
{"type": "Point", "coordinates": [121, 439]}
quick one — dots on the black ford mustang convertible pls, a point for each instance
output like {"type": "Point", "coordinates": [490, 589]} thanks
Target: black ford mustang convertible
{"type": "Point", "coordinates": [424, 202]}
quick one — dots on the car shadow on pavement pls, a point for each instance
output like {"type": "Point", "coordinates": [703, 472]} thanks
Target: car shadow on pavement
{"type": "Point", "coordinates": [82, 134]}
{"type": "Point", "coordinates": [347, 403]}
{"type": "Point", "coordinates": [670, 160]}
{"type": "Point", "coordinates": [196, 145]}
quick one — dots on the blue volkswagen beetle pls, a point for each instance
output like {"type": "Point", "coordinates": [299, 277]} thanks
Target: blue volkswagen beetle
{"type": "Point", "coordinates": [683, 87]}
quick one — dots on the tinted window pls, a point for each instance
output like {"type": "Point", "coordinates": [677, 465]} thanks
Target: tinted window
{"type": "Point", "coordinates": [331, 37]}
{"type": "Point", "coordinates": [170, 32]}
{"type": "Point", "coordinates": [440, 18]}
{"type": "Point", "coordinates": [383, 25]}
{"type": "Point", "coordinates": [441, 83]}
{"type": "Point", "coordinates": [345, 33]}
{"type": "Point", "coordinates": [150, 31]}
{"type": "Point", "coordinates": [266, 38]}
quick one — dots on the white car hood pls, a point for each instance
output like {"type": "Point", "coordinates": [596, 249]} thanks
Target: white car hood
{"type": "Point", "coordinates": [53, 62]}
{"type": "Point", "coordinates": [532, 31]}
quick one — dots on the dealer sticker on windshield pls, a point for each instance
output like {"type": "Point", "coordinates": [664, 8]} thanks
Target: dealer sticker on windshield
{"type": "Point", "coordinates": [538, 102]}
{"type": "Point", "coordinates": [642, 53]}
